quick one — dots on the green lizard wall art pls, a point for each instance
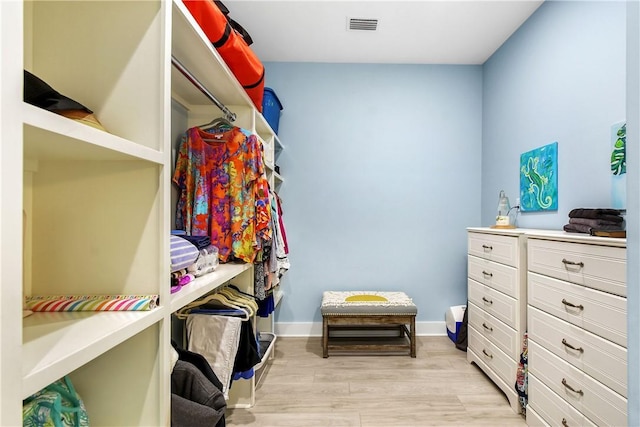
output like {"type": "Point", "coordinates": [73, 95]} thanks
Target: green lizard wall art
{"type": "Point", "coordinates": [539, 179]}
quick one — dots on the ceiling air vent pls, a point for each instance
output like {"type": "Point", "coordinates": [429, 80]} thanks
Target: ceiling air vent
{"type": "Point", "coordinates": [360, 24]}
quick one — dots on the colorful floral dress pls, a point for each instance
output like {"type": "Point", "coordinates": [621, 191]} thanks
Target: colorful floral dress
{"type": "Point", "coordinates": [223, 191]}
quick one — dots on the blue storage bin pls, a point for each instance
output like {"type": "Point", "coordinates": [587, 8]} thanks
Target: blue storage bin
{"type": "Point", "coordinates": [271, 108]}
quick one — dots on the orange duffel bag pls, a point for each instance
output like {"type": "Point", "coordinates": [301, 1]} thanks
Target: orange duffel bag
{"type": "Point", "coordinates": [235, 52]}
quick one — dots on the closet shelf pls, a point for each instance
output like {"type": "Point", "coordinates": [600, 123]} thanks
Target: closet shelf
{"type": "Point", "coordinates": [51, 136]}
{"type": "Point", "coordinates": [55, 344]}
{"type": "Point", "coordinates": [205, 284]}
{"type": "Point", "coordinates": [196, 53]}
{"type": "Point", "coordinates": [277, 295]}
{"type": "Point", "coordinates": [279, 146]}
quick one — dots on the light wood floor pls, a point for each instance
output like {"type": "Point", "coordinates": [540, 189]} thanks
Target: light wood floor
{"type": "Point", "coordinates": [438, 388]}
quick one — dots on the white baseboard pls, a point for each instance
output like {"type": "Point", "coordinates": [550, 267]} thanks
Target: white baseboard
{"type": "Point", "coordinates": [314, 329]}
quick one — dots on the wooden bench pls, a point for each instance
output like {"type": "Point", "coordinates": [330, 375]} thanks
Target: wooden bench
{"type": "Point", "coordinates": [368, 311]}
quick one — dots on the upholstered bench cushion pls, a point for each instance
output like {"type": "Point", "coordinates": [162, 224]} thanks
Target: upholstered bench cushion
{"type": "Point", "coordinates": [370, 303]}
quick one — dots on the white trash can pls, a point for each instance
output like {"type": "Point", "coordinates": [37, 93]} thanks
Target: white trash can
{"type": "Point", "coordinates": [453, 319]}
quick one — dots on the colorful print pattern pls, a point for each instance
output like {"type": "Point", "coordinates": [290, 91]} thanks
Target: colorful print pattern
{"type": "Point", "coordinates": [91, 303]}
{"type": "Point", "coordinates": [222, 182]}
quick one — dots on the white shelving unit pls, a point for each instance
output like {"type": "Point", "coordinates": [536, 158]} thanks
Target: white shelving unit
{"type": "Point", "coordinates": [91, 214]}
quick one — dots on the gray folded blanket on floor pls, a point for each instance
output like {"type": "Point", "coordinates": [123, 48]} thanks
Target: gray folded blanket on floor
{"type": "Point", "coordinates": [604, 214]}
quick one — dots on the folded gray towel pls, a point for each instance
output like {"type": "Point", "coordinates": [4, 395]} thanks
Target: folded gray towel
{"type": "Point", "coordinates": [577, 228]}
{"type": "Point", "coordinates": [583, 228]}
{"type": "Point", "coordinates": [605, 214]}
{"type": "Point", "coordinates": [594, 222]}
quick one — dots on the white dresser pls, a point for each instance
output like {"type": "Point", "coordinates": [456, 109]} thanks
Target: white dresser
{"type": "Point", "coordinates": [497, 304]}
{"type": "Point", "coordinates": [577, 324]}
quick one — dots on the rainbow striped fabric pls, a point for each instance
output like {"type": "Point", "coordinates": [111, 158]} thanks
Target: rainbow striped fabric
{"type": "Point", "coordinates": [42, 303]}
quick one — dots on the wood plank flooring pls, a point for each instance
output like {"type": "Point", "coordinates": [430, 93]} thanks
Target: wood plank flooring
{"type": "Point", "coordinates": [437, 388]}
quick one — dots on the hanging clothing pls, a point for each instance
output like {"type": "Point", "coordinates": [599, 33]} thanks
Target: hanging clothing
{"type": "Point", "coordinates": [197, 360]}
{"type": "Point", "coordinates": [281, 223]}
{"type": "Point", "coordinates": [281, 260]}
{"type": "Point", "coordinates": [223, 191]}
{"type": "Point", "coordinates": [217, 339]}
{"type": "Point", "coordinates": [195, 400]}
{"type": "Point", "coordinates": [202, 177]}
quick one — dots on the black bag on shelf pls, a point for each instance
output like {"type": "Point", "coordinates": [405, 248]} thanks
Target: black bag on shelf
{"type": "Point", "coordinates": [234, 24]}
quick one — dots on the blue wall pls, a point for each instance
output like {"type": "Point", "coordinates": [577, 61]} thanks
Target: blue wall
{"type": "Point", "coordinates": [560, 77]}
{"type": "Point", "coordinates": [382, 168]}
{"type": "Point", "coordinates": [563, 77]}
{"type": "Point", "coordinates": [386, 165]}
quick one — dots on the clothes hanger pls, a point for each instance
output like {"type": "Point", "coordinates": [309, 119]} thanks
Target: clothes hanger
{"type": "Point", "coordinates": [216, 126]}
{"type": "Point", "coordinates": [251, 306]}
{"type": "Point", "coordinates": [224, 301]}
{"type": "Point", "coordinates": [236, 289]}
{"type": "Point", "coordinates": [219, 122]}
{"type": "Point", "coordinates": [183, 313]}
{"type": "Point", "coordinates": [234, 297]}
{"type": "Point", "coordinates": [250, 299]}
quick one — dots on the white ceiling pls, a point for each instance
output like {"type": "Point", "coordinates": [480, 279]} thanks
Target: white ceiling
{"type": "Point", "coordinates": [409, 32]}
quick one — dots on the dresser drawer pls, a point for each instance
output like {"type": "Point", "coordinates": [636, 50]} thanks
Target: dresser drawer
{"type": "Point", "coordinates": [598, 267]}
{"type": "Point", "coordinates": [535, 420]}
{"type": "Point", "coordinates": [599, 403]}
{"type": "Point", "coordinates": [502, 249]}
{"type": "Point", "coordinates": [504, 366]}
{"type": "Point", "coordinates": [602, 313]}
{"type": "Point", "coordinates": [600, 358]}
{"type": "Point", "coordinates": [552, 408]}
{"type": "Point", "coordinates": [495, 331]}
{"type": "Point", "coordinates": [498, 276]}
{"type": "Point", "coordinates": [495, 303]}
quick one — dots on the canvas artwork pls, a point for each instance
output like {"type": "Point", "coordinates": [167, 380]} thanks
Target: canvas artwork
{"type": "Point", "coordinates": [539, 179]}
{"type": "Point", "coordinates": [619, 166]}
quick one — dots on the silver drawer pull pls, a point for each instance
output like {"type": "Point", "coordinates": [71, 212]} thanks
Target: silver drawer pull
{"type": "Point", "coordinates": [566, 344]}
{"type": "Point", "coordinates": [487, 273]}
{"type": "Point", "coordinates": [564, 423]}
{"type": "Point", "coordinates": [567, 262]}
{"type": "Point", "coordinates": [490, 356]}
{"type": "Point", "coordinates": [564, 383]}
{"type": "Point", "coordinates": [568, 304]}
{"type": "Point", "coordinates": [488, 301]}
{"type": "Point", "coordinates": [487, 247]}
{"type": "Point", "coordinates": [488, 328]}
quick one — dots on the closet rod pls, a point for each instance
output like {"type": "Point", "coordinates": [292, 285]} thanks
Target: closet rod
{"type": "Point", "coordinates": [228, 114]}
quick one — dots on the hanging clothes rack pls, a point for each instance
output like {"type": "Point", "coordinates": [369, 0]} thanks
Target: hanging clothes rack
{"type": "Point", "coordinates": [228, 114]}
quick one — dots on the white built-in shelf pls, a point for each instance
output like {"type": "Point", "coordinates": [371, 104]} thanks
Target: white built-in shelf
{"type": "Point", "coordinates": [277, 178]}
{"type": "Point", "coordinates": [279, 146]}
{"type": "Point", "coordinates": [262, 126]}
{"type": "Point", "coordinates": [206, 283]}
{"type": "Point", "coordinates": [57, 343]}
{"type": "Point", "coordinates": [50, 136]}
{"type": "Point", "coordinates": [195, 52]}
{"type": "Point", "coordinates": [277, 295]}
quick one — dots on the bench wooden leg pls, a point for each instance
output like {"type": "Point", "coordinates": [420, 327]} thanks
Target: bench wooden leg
{"type": "Point", "coordinates": [325, 337]}
{"type": "Point", "coordinates": [413, 337]}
